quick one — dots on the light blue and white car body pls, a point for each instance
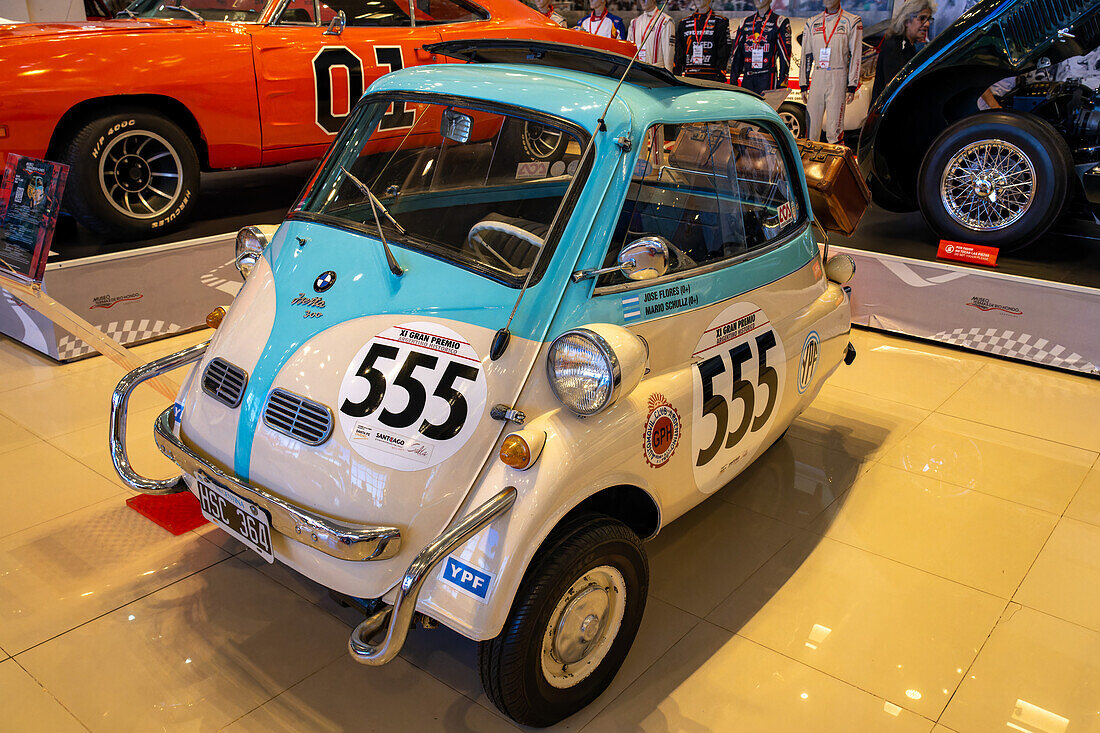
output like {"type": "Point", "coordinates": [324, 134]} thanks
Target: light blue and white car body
{"type": "Point", "coordinates": [688, 346]}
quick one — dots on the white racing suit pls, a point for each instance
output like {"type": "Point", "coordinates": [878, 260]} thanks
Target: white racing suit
{"type": "Point", "coordinates": [832, 49]}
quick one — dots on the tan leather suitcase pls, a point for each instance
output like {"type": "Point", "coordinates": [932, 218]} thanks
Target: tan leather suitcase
{"type": "Point", "coordinates": [838, 193]}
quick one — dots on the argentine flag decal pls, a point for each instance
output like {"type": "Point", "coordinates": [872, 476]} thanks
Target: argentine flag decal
{"type": "Point", "coordinates": [632, 309]}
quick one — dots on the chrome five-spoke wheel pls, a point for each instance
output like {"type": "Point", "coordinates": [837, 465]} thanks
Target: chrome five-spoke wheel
{"type": "Point", "coordinates": [988, 185]}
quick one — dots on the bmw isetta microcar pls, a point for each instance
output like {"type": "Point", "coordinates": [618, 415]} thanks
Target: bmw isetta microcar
{"type": "Point", "coordinates": [464, 387]}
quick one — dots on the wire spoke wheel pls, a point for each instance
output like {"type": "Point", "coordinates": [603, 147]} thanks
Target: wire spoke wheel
{"type": "Point", "coordinates": [140, 174]}
{"type": "Point", "coordinates": [988, 185]}
{"type": "Point", "coordinates": [583, 626]}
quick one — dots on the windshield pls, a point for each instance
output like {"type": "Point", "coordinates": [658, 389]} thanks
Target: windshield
{"type": "Point", "coordinates": [237, 11]}
{"type": "Point", "coordinates": [477, 187]}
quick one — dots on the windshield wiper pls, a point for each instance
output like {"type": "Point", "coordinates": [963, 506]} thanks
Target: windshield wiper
{"type": "Point", "coordinates": [184, 9]}
{"type": "Point", "coordinates": [375, 205]}
{"type": "Point", "coordinates": [127, 11]}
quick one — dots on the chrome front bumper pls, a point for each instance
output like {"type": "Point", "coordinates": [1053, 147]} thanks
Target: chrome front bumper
{"type": "Point", "coordinates": [338, 539]}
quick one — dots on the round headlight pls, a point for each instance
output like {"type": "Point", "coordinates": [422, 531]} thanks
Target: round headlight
{"type": "Point", "coordinates": [583, 371]}
{"type": "Point", "coordinates": [250, 245]}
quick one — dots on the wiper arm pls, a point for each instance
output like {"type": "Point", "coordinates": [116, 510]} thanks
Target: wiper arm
{"type": "Point", "coordinates": [126, 10]}
{"type": "Point", "coordinates": [375, 204]}
{"type": "Point", "coordinates": [184, 9]}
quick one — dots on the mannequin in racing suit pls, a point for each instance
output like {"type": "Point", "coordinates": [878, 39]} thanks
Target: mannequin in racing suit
{"type": "Point", "coordinates": [651, 32]}
{"type": "Point", "coordinates": [602, 23]}
{"type": "Point", "coordinates": [762, 50]}
{"type": "Point", "coordinates": [832, 49]}
{"type": "Point", "coordinates": [702, 44]}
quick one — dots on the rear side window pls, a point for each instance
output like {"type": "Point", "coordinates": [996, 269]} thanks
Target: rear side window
{"type": "Point", "coordinates": [714, 190]}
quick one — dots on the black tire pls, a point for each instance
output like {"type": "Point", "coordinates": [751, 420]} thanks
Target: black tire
{"type": "Point", "coordinates": [794, 117]}
{"type": "Point", "coordinates": [524, 141]}
{"type": "Point", "coordinates": [1029, 148]}
{"type": "Point", "coordinates": [120, 180]}
{"type": "Point", "coordinates": [512, 664]}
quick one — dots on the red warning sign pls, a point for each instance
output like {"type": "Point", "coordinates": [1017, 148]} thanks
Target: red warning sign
{"type": "Point", "coordinates": [975, 254]}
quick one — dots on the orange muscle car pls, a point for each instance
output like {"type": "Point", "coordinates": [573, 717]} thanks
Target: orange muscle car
{"type": "Point", "coordinates": [137, 106]}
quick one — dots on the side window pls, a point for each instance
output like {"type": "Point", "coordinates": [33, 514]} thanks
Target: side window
{"type": "Point", "coordinates": [298, 12]}
{"type": "Point", "coordinates": [395, 13]}
{"type": "Point", "coordinates": [714, 190]}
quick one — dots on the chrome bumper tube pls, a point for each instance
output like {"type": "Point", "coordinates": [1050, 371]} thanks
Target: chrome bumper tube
{"type": "Point", "coordinates": [401, 613]}
{"type": "Point", "coordinates": [120, 402]}
{"type": "Point", "coordinates": [352, 542]}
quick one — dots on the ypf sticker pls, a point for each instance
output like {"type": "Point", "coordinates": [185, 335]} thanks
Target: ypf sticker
{"type": "Point", "coordinates": [412, 396]}
{"type": "Point", "coordinates": [737, 376]}
{"type": "Point", "coordinates": [807, 361]}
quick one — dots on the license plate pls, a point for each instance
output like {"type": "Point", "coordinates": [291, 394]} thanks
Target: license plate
{"type": "Point", "coordinates": [239, 517]}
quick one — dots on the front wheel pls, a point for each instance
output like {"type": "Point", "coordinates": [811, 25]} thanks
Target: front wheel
{"type": "Point", "coordinates": [572, 623]}
{"type": "Point", "coordinates": [995, 178]}
{"type": "Point", "coordinates": [132, 175]}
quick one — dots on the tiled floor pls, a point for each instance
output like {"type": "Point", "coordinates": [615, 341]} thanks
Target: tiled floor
{"type": "Point", "coordinates": [921, 552]}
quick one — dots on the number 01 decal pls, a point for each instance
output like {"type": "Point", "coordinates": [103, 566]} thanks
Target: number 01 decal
{"type": "Point", "coordinates": [330, 104]}
{"type": "Point", "coordinates": [736, 391]}
{"type": "Point", "coordinates": [412, 396]}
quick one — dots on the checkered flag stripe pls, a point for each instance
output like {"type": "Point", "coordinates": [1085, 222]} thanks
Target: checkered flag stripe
{"type": "Point", "coordinates": [126, 332]}
{"type": "Point", "coordinates": [224, 277]}
{"type": "Point", "coordinates": [1022, 346]}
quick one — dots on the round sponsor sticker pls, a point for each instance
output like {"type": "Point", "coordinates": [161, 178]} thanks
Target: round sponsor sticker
{"type": "Point", "coordinates": [662, 431]}
{"type": "Point", "coordinates": [807, 362]}
{"type": "Point", "coordinates": [412, 396]}
{"type": "Point", "coordinates": [738, 373]}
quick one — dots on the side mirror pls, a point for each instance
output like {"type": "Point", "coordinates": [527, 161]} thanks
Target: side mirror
{"type": "Point", "coordinates": [336, 25]}
{"type": "Point", "coordinates": [642, 259]}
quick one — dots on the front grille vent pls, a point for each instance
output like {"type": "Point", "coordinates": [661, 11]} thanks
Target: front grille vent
{"type": "Point", "coordinates": [1033, 22]}
{"type": "Point", "coordinates": [224, 382]}
{"type": "Point", "coordinates": [297, 417]}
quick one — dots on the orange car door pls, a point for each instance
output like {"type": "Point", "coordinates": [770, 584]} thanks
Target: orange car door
{"type": "Point", "coordinates": [309, 80]}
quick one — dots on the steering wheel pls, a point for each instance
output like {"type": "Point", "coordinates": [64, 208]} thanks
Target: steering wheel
{"type": "Point", "coordinates": [502, 227]}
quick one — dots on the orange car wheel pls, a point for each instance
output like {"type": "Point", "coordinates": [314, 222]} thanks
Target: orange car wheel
{"type": "Point", "coordinates": [132, 175]}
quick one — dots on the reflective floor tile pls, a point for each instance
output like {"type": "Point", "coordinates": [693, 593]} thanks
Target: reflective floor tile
{"type": "Point", "coordinates": [700, 558]}
{"type": "Point", "coordinates": [857, 424]}
{"type": "Point", "coordinates": [315, 593]}
{"type": "Point", "coordinates": [195, 655]}
{"type": "Point", "coordinates": [910, 372]}
{"type": "Point", "coordinates": [452, 658]}
{"type": "Point", "coordinates": [21, 365]}
{"type": "Point", "coordinates": [713, 680]}
{"type": "Point", "coordinates": [14, 436]}
{"type": "Point", "coordinates": [42, 483]}
{"type": "Point", "coordinates": [1021, 468]}
{"type": "Point", "coordinates": [25, 706]}
{"type": "Point", "coordinates": [794, 481]}
{"type": "Point", "coordinates": [347, 696]}
{"type": "Point", "coordinates": [62, 573]}
{"type": "Point", "coordinates": [1036, 673]}
{"type": "Point", "coordinates": [1065, 579]}
{"type": "Point", "coordinates": [956, 533]}
{"type": "Point", "coordinates": [72, 402]}
{"type": "Point", "coordinates": [1086, 504]}
{"type": "Point", "coordinates": [1033, 401]}
{"type": "Point", "coordinates": [163, 347]}
{"type": "Point", "coordinates": [899, 633]}
{"type": "Point", "coordinates": [91, 447]}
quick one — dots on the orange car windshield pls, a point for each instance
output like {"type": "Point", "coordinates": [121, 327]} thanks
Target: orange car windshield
{"type": "Point", "coordinates": [479, 188]}
{"type": "Point", "coordinates": [235, 11]}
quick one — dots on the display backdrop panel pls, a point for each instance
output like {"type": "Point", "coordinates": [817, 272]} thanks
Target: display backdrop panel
{"type": "Point", "coordinates": [1021, 318]}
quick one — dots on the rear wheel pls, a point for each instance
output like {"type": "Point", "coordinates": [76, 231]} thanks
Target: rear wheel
{"type": "Point", "coordinates": [572, 623]}
{"type": "Point", "coordinates": [996, 178]}
{"type": "Point", "coordinates": [132, 175]}
{"type": "Point", "coordinates": [526, 141]}
{"type": "Point", "coordinates": [794, 117]}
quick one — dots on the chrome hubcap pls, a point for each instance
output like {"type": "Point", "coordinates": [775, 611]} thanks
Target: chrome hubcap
{"type": "Point", "coordinates": [140, 174]}
{"type": "Point", "coordinates": [583, 626]}
{"type": "Point", "coordinates": [988, 185]}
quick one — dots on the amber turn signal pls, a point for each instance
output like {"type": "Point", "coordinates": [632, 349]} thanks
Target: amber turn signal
{"type": "Point", "coordinates": [515, 452]}
{"type": "Point", "coordinates": [215, 318]}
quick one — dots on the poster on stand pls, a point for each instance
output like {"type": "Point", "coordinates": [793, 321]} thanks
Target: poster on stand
{"type": "Point", "coordinates": [30, 199]}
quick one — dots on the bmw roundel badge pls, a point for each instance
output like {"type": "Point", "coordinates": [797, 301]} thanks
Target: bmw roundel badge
{"type": "Point", "coordinates": [324, 281]}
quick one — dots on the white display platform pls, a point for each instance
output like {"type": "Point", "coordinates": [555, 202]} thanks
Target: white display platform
{"type": "Point", "coordinates": [1017, 317]}
{"type": "Point", "coordinates": [133, 296]}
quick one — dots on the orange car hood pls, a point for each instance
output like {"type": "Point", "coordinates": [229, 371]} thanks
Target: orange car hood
{"type": "Point", "coordinates": [29, 31]}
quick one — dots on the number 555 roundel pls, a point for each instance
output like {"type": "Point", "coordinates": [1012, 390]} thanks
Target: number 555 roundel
{"type": "Point", "coordinates": [137, 106]}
